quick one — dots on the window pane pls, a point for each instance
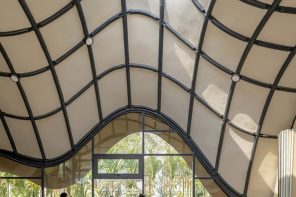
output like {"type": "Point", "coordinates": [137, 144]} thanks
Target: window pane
{"type": "Point", "coordinates": [20, 187]}
{"type": "Point", "coordinates": [9, 168]}
{"type": "Point", "coordinates": [152, 123]}
{"type": "Point", "coordinates": [124, 133]}
{"type": "Point", "coordinates": [81, 188]}
{"type": "Point", "coordinates": [207, 188]}
{"type": "Point", "coordinates": [73, 177]}
{"type": "Point", "coordinates": [200, 190]}
{"type": "Point", "coordinates": [117, 188]}
{"type": "Point", "coordinates": [168, 176]}
{"type": "Point", "coordinates": [118, 166]}
{"type": "Point", "coordinates": [165, 143]}
{"type": "Point", "coordinates": [200, 171]}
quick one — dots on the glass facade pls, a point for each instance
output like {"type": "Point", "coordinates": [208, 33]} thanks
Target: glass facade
{"type": "Point", "coordinates": [133, 154]}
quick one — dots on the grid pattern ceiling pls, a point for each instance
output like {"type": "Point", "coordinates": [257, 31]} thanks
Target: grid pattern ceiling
{"type": "Point", "coordinates": [175, 57]}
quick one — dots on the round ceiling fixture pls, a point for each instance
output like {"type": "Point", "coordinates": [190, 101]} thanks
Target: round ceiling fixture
{"type": "Point", "coordinates": [14, 78]}
{"type": "Point", "coordinates": [89, 41]}
{"type": "Point", "coordinates": [235, 77]}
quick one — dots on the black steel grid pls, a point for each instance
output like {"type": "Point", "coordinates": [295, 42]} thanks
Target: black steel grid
{"type": "Point", "coordinates": [274, 7]}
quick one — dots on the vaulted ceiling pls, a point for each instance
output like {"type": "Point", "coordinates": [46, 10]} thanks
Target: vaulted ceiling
{"type": "Point", "coordinates": [224, 71]}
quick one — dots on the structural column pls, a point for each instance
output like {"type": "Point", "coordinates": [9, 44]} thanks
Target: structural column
{"type": "Point", "coordinates": [287, 163]}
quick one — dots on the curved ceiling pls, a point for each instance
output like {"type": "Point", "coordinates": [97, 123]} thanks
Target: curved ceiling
{"type": "Point", "coordinates": [224, 71]}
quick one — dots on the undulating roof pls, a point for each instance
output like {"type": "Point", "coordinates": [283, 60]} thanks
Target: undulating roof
{"type": "Point", "coordinates": [224, 71]}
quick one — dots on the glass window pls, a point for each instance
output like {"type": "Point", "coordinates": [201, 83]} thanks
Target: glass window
{"type": "Point", "coordinates": [168, 176]}
{"type": "Point", "coordinates": [200, 171]}
{"type": "Point", "coordinates": [118, 166]}
{"type": "Point", "coordinates": [73, 176]}
{"type": "Point", "coordinates": [117, 187]}
{"type": "Point", "coordinates": [9, 168]}
{"type": "Point", "coordinates": [165, 143]}
{"type": "Point", "coordinates": [121, 136]}
{"type": "Point", "coordinates": [200, 190]}
{"type": "Point", "coordinates": [20, 187]}
{"type": "Point", "coordinates": [152, 123]}
{"type": "Point", "coordinates": [207, 188]}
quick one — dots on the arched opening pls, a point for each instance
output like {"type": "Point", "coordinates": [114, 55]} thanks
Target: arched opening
{"type": "Point", "coordinates": [133, 154]}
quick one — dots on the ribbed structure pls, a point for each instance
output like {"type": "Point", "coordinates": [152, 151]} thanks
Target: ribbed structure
{"type": "Point", "coordinates": [286, 162]}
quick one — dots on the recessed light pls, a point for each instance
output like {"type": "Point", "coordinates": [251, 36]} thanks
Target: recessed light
{"type": "Point", "coordinates": [14, 78]}
{"type": "Point", "coordinates": [235, 77]}
{"type": "Point", "coordinates": [89, 41]}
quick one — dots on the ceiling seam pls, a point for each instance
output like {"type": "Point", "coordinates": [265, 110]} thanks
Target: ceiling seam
{"type": "Point", "coordinates": [52, 69]}
{"type": "Point", "coordinates": [160, 53]}
{"type": "Point", "coordinates": [196, 63]}
{"type": "Point", "coordinates": [233, 84]}
{"type": "Point", "coordinates": [126, 51]}
{"type": "Point", "coordinates": [91, 59]}
{"type": "Point", "coordinates": [138, 66]}
{"type": "Point", "coordinates": [26, 102]}
{"type": "Point", "coordinates": [170, 28]}
{"type": "Point", "coordinates": [264, 111]}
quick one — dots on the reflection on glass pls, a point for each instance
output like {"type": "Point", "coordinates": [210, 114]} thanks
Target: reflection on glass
{"type": "Point", "coordinates": [165, 175]}
{"type": "Point", "coordinates": [117, 188]}
{"type": "Point", "coordinates": [206, 188]}
{"type": "Point", "coordinates": [73, 176]}
{"type": "Point", "coordinates": [9, 168]}
{"type": "Point", "coordinates": [118, 132]}
{"type": "Point", "coordinates": [82, 188]}
{"type": "Point", "coordinates": [200, 190]}
{"type": "Point", "coordinates": [200, 171]}
{"type": "Point", "coordinates": [19, 187]}
{"type": "Point", "coordinates": [152, 123]}
{"type": "Point", "coordinates": [168, 176]}
{"type": "Point", "coordinates": [165, 143]}
{"type": "Point", "coordinates": [118, 166]}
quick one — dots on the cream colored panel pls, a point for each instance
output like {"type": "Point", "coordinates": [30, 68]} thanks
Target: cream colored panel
{"type": "Point", "coordinates": [74, 72]}
{"type": "Point", "coordinates": [183, 16]}
{"type": "Point", "coordinates": [205, 131]}
{"type": "Point", "coordinates": [178, 59]}
{"type": "Point", "coordinates": [204, 3]}
{"type": "Point", "coordinates": [148, 5]}
{"type": "Point", "coordinates": [247, 105]}
{"type": "Point", "coordinates": [238, 17]}
{"type": "Point", "coordinates": [280, 29]}
{"type": "Point", "coordinates": [213, 85]}
{"type": "Point", "coordinates": [108, 47]}
{"type": "Point", "coordinates": [113, 92]}
{"type": "Point", "coordinates": [53, 130]}
{"type": "Point", "coordinates": [289, 79]}
{"type": "Point", "coordinates": [43, 9]}
{"type": "Point", "coordinates": [12, 16]}
{"type": "Point", "coordinates": [144, 87]}
{"type": "Point", "coordinates": [266, 1]}
{"type": "Point", "coordinates": [235, 157]}
{"type": "Point", "coordinates": [175, 102]}
{"type": "Point", "coordinates": [24, 60]}
{"type": "Point", "coordinates": [62, 34]}
{"type": "Point", "coordinates": [4, 141]}
{"type": "Point", "coordinates": [264, 172]}
{"type": "Point", "coordinates": [3, 65]}
{"type": "Point", "coordinates": [83, 114]}
{"type": "Point", "coordinates": [41, 93]}
{"type": "Point", "coordinates": [262, 60]}
{"type": "Point", "coordinates": [96, 12]}
{"type": "Point", "coordinates": [24, 137]}
{"type": "Point", "coordinates": [223, 48]}
{"type": "Point", "coordinates": [280, 113]}
{"type": "Point", "coordinates": [288, 3]}
{"type": "Point", "coordinates": [143, 40]}
{"type": "Point", "coordinates": [10, 98]}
